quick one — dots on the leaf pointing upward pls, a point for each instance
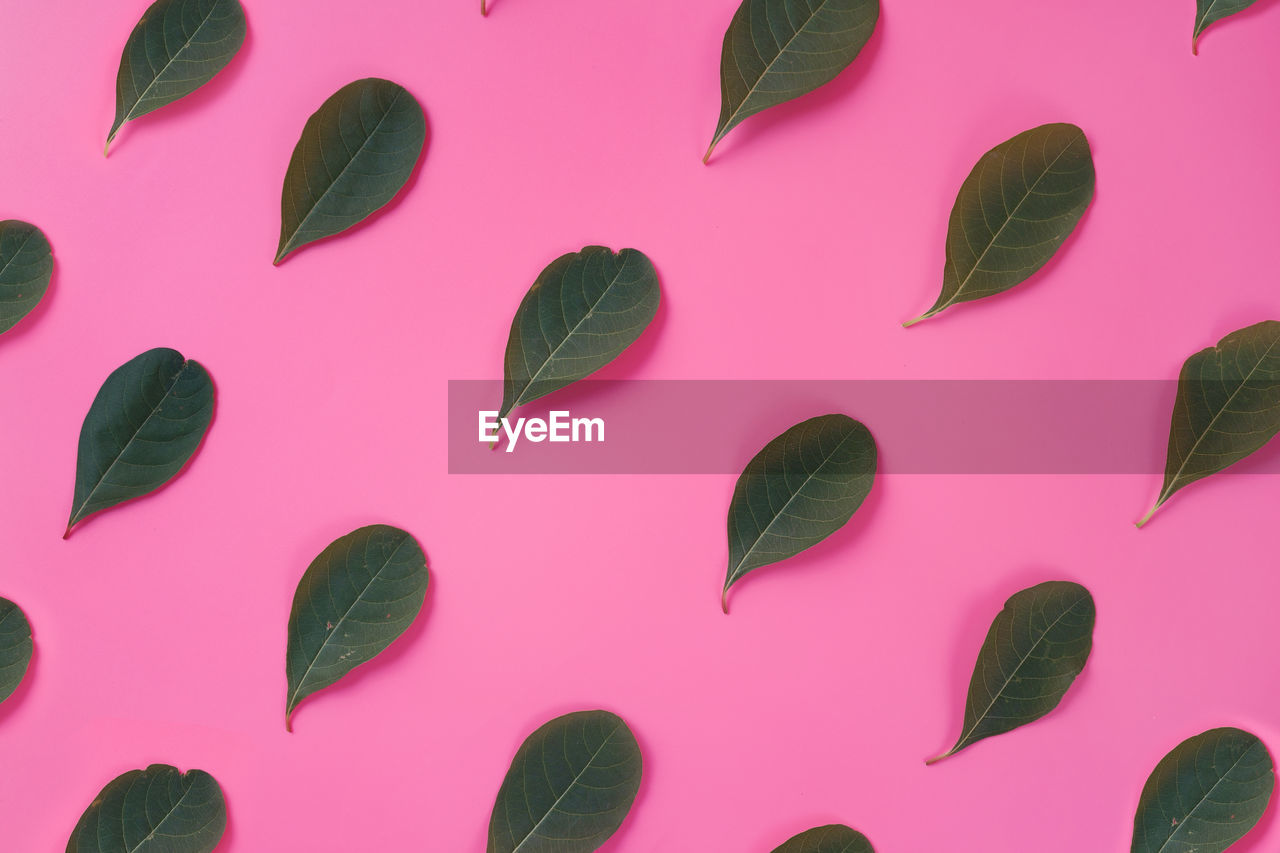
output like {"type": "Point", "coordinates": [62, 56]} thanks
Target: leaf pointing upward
{"type": "Point", "coordinates": [157, 810]}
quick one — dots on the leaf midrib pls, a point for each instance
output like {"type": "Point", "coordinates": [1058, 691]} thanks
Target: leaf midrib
{"type": "Point", "coordinates": [152, 832]}
{"type": "Point", "coordinates": [565, 793]}
{"type": "Point", "coordinates": [15, 255]}
{"type": "Point", "coordinates": [131, 115]}
{"type": "Point", "coordinates": [1191, 813]}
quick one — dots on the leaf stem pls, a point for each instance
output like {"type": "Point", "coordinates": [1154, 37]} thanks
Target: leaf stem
{"type": "Point", "coordinates": [484, 8]}
{"type": "Point", "coordinates": [928, 762]}
{"type": "Point", "coordinates": [724, 601]}
{"type": "Point", "coordinates": [1150, 513]}
{"type": "Point", "coordinates": [710, 148]}
{"type": "Point", "coordinates": [925, 316]}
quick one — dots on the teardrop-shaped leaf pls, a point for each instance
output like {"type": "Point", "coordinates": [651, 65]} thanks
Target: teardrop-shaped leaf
{"type": "Point", "coordinates": [836, 838]}
{"type": "Point", "coordinates": [802, 487]}
{"type": "Point", "coordinates": [362, 592]}
{"type": "Point", "coordinates": [146, 422]}
{"type": "Point", "coordinates": [1017, 207]}
{"type": "Point", "coordinates": [177, 47]}
{"type": "Point", "coordinates": [1205, 795]}
{"type": "Point", "coordinates": [777, 50]}
{"type": "Point", "coordinates": [584, 309]}
{"type": "Point", "coordinates": [26, 266]}
{"type": "Point", "coordinates": [157, 810]}
{"type": "Point", "coordinates": [1211, 11]}
{"type": "Point", "coordinates": [569, 788]}
{"type": "Point", "coordinates": [1227, 406]}
{"type": "Point", "coordinates": [356, 152]}
{"type": "Point", "coordinates": [1036, 647]}
{"type": "Point", "coordinates": [15, 647]}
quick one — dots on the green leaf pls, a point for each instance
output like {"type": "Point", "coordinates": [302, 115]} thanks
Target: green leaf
{"type": "Point", "coordinates": [145, 424]}
{"type": "Point", "coordinates": [1017, 207]}
{"type": "Point", "coordinates": [26, 267]}
{"type": "Point", "coordinates": [361, 593]}
{"type": "Point", "coordinates": [802, 487]}
{"type": "Point", "coordinates": [836, 838]}
{"type": "Point", "coordinates": [1211, 11]}
{"type": "Point", "coordinates": [1205, 795]}
{"type": "Point", "coordinates": [584, 309]}
{"type": "Point", "coordinates": [157, 810]}
{"type": "Point", "coordinates": [356, 152]}
{"type": "Point", "coordinates": [1227, 406]}
{"type": "Point", "coordinates": [1035, 648]}
{"type": "Point", "coordinates": [177, 47]}
{"type": "Point", "coordinates": [777, 50]}
{"type": "Point", "coordinates": [569, 788]}
{"type": "Point", "coordinates": [15, 647]}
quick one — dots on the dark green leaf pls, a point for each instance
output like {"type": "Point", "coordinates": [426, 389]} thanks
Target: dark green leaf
{"type": "Point", "coordinates": [1210, 11]}
{"type": "Point", "coordinates": [580, 314]}
{"type": "Point", "coordinates": [177, 47]}
{"type": "Point", "coordinates": [146, 422]}
{"type": "Point", "coordinates": [1205, 794]}
{"type": "Point", "coordinates": [26, 266]}
{"type": "Point", "coordinates": [157, 810]}
{"type": "Point", "coordinates": [1035, 648]}
{"type": "Point", "coordinates": [776, 50]}
{"type": "Point", "coordinates": [802, 487]}
{"type": "Point", "coordinates": [1017, 207]}
{"type": "Point", "coordinates": [356, 152]}
{"type": "Point", "coordinates": [569, 788]}
{"type": "Point", "coordinates": [355, 599]}
{"type": "Point", "coordinates": [15, 647]}
{"type": "Point", "coordinates": [836, 838]}
{"type": "Point", "coordinates": [1228, 406]}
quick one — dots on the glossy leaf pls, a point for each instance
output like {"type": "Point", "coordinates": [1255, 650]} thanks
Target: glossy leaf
{"type": "Point", "coordinates": [1205, 794]}
{"type": "Point", "coordinates": [356, 152]}
{"type": "Point", "coordinates": [26, 267]}
{"type": "Point", "coordinates": [569, 787]}
{"type": "Point", "coordinates": [1212, 11]}
{"type": "Point", "coordinates": [145, 424]}
{"type": "Point", "coordinates": [802, 487]}
{"type": "Point", "coordinates": [836, 838]}
{"type": "Point", "coordinates": [1036, 647]}
{"type": "Point", "coordinates": [583, 310]}
{"type": "Point", "coordinates": [1227, 407]}
{"type": "Point", "coordinates": [177, 47]}
{"type": "Point", "coordinates": [777, 50]}
{"type": "Point", "coordinates": [157, 810]}
{"type": "Point", "coordinates": [15, 647]}
{"type": "Point", "coordinates": [1017, 207]}
{"type": "Point", "coordinates": [361, 593]}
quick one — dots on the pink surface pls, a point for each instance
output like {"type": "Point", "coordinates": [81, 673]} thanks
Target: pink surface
{"type": "Point", "coordinates": [817, 229]}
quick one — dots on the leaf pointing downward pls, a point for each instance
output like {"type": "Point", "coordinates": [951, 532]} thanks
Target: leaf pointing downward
{"type": "Point", "coordinates": [1212, 11]}
{"type": "Point", "coordinates": [361, 593]}
{"type": "Point", "coordinates": [777, 50]}
{"type": "Point", "coordinates": [836, 838]}
{"type": "Point", "coordinates": [802, 487]}
{"type": "Point", "coordinates": [157, 810]}
{"type": "Point", "coordinates": [145, 423]}
{"type": "Point", "coordinates": [1017, 207]}
{"type": "Point", "coordinates": [583, 310]}
{"type": "Point", "coordinates": [1227, 407]}
{"type": "Point", "coordinates": [177, 47]}
{"type": "Point", "coordinates": [355, 153]}
{"type": "Point", "coordinates": [1036, 647]}
{"type": "Point", "coordinates": [26, 267]}
{"type": "Point", "coordinates": [1205, 795]}
{"type": "Point", "coordinates": [15, 647]}
{"type": "Point", "coordinates": [569, 787]}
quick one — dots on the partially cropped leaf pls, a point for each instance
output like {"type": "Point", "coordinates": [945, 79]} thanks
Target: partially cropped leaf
{"type": "Point", "coordinates": [177, 47]}
{"type": "Point", "coordinates": [26, 266]}
{"type": "Point", "coordinates": [146, 422]}
{"type": "Point", "coordinates": [584, 309]}
{"type": "Point", "coordinates": [1017, 207]}
{"type": "Point", "coordinates": [15, 647]}
{"type": "Point", "coordinates": [356, 152]}
{"type": "Point", "coordinates": [776, 50]}
{"type": "Point", "coordinates": [157, 810]}
{"type": "Point", "coordinates": [569, 788]}
{"type": "Point", "coordinates": [361, 593]}
{"type": "Point", "coordinates": [1205, 794]}
{"type": "Point", "coordinates": [1035, 648]}
{"type": "Point", "coordinates": [836, 838]}
{"type": "Point", "coordinates": [1211, 11]}
{"type": "Point", "coordinates": [802, 487]}
{"type": "Point", "coordinates": [1227, 406]}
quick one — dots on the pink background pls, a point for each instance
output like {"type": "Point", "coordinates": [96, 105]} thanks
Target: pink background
{"type": "Point", "coordinates": [816, 230]}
